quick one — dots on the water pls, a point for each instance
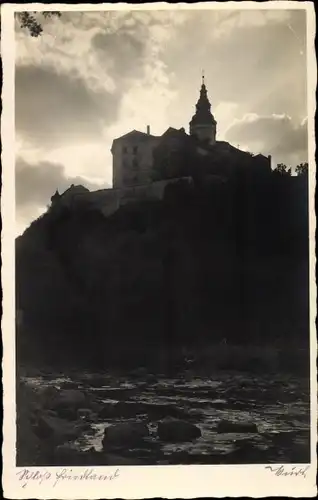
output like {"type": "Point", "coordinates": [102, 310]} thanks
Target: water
{"type": "Point", "coordinates": [279, 406]}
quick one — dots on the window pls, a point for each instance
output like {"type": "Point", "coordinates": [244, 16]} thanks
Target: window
{"type": "Point", "coordinates": [135, 164]}
{"type": "Point", "coordinates": [125, 149]}
{"type": "Point", "coordinates": [135, 150]}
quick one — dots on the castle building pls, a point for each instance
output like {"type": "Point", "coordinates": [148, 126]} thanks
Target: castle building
{"type": "Point", "coordinates": [134, 152]}
{"type": "Point", "coordinates": [138, 157]}
{"type": "Point", "coordinates": [144, 164]}
{"type": "Point", "coordinates": [133, 158]}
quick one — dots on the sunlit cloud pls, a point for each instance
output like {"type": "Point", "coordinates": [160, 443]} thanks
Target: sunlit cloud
{"type": "Point", "coordinates": [94, 76]}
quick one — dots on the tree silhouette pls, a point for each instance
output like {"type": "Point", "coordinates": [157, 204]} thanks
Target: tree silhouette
{"type": "Point", "coordinates": [31, 22]}
{"type": "Point", "coordinates": [302, 169]}
{"type": "Point", "coordinates": [282, 169]}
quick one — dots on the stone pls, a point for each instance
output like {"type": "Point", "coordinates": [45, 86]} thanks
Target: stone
{"type": "Point", "coordinates": [96, 407]}
{"type": "Point", "coordinates": [86, 413]}
{"type": "Point", "coordinates": [90, 430]}
{"type": "Point", "coordinates": [125, 434]}
{"type": "Point", "coordinates": [54, 398]}
{"type": "Point", "coordinates": [69, 455]}
{"type": "Point", "coordinates": [161, 411]}
{"type": "Point", "coordinates": [177, 431]}
{"type": "Point", "coordinates": [70, 398]}
{"type": "Point", "coordinates": [56, 429]}
{"type": "Point", "coordinates": [98, 381]}
{"type": "Point", "coordinates": [52, 413]}
{"type": "Point", "coordinates": [247, 452]}
{"type": "Point", "coordinates": [151, 378]}
{"type": "Point", "coordinates": [225, 427]}
{"type": "Point", "coordinates": [124, 409]}
{"type": "Point", "coordinates": [48, 396]}
{"type": "Point", "coordinates": [66, 413]}
{"type": "Point", "coordinates": [30, 447]}
{"type": "Point", "coordinates": [70, 385]}
{"type": "Point", "coordinates": [108, 411]}
{"type": "Point", "coordinates": [65, 454]}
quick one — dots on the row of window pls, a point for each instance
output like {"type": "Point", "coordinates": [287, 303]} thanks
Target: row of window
{"type": "Point", "coordinates": [134, 149]}
{"type": "Point", "coordinates": [134, 164]}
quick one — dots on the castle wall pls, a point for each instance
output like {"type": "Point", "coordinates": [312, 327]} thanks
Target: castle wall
{"type": "Point", "coordinates": [109, 200]}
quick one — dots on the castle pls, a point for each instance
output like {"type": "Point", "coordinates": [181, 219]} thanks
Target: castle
{"type": "Point", "coordinates": [137, 154]}
{"type": "Point", "coordinates": [134, 153]}
{"type": "Point", "coordinates": [143, 163]}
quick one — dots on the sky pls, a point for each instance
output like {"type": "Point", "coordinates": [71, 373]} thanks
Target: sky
{"type": "Point", "coordinates": [94, 76]}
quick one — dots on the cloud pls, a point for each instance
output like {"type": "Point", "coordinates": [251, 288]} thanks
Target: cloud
{"type": "Point", "coordinates": [251, 64]}
{"type": "Point", "coordinates": [123, 51]}
{"type": "Point", "coordinates": [93, 76]}
{"type": "Point", "coordinates": [87, 159]}
{"type": "Point", "coordinates": [71, 81]}
{"type": "Point", "coordinates": [65, 46]}
{"type": "Point", "coordinates": [55, 108]}
{"type": "Point", "coordinates": [123, 54]}
{"type": "Point", "coordinates": [36, 183]}
{"type": "Point", "coordinates": [278, 135]}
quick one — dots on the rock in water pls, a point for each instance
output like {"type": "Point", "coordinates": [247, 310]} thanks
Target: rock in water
{"type": "Point", "coordinates": [48, 396]}
{"type": "Point", "coordinates": [53, 398]}
{"type": "Point", "coordinates": [69, 455]}
{"type": "Point", "coordinates": [71, 398]}
{"type": "Point", "coordinates": [177, 431]}
{"type": "Point", "coordinates": [85, 413]}
{"type": "Point", "coordinates": [126, 434]}
{"type": "Point", "coordinates": [65, 413]}
{"type": "Point", "coordinates": [56, 429]}
{"type": "Point", "coordinates": [225, 427]}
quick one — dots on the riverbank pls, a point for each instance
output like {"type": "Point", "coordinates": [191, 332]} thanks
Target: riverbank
{"type": "Point", "coordinates": [203, 360]}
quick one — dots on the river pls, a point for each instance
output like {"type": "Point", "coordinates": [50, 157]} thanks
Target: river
{"type": "Point", "coordinates": [278, 405]}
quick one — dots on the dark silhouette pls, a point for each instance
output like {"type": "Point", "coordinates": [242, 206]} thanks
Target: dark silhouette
{"type": "Point", "coordinates": [29, 20]}
{"type": "Point", "coordinates": [302, 169]}
{"type": "Point", "coordinates": [209, 281]}
{"type": "Point", "coordinates": [282, 169]}
{"type": "Point", "coordinates": [215, 258]}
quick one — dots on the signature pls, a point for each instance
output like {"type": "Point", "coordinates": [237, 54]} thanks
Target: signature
{"type": "Point", "coordinates": [293, 471]}
{"type": "Point", "coordinates": [40, 476]}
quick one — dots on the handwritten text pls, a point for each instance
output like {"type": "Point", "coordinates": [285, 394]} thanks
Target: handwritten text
{"type": "Point", "coordinates": [293, 471]}
{"type": "Point", "coordinates": [40, 476]}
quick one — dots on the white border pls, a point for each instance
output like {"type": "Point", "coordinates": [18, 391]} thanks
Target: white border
{"type": "Point", "coordinates": [148, 481]}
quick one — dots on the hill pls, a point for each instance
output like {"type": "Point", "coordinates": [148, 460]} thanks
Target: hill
{"type": "Point", "coordinates": [214, 260]}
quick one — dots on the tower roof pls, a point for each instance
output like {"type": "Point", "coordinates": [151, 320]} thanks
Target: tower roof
{"type": "Point", "coordinates": [203, 113]}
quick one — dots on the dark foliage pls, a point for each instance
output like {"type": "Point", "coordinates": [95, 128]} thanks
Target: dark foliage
{"type": "Point", "coordinates": [30, 20]}
{"type": "Point", "coordinates": [282, 169]}
{"type": "Point", "coordinates": [302, 169]}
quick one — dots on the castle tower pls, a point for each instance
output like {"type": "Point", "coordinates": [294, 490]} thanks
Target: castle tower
{"type": "Point", "coordinates": [203, 124]}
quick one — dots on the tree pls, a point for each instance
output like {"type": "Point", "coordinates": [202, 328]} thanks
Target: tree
{"type": "Point", "coordinates": [31, 20]}
{"type": "Point", "coordinates": [302, 169]}
{"type": "Point", "coordinates": [282, 169]}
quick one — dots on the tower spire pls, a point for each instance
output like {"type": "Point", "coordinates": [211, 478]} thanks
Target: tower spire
{"type": "Point", "coordinates": [203, 124]}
